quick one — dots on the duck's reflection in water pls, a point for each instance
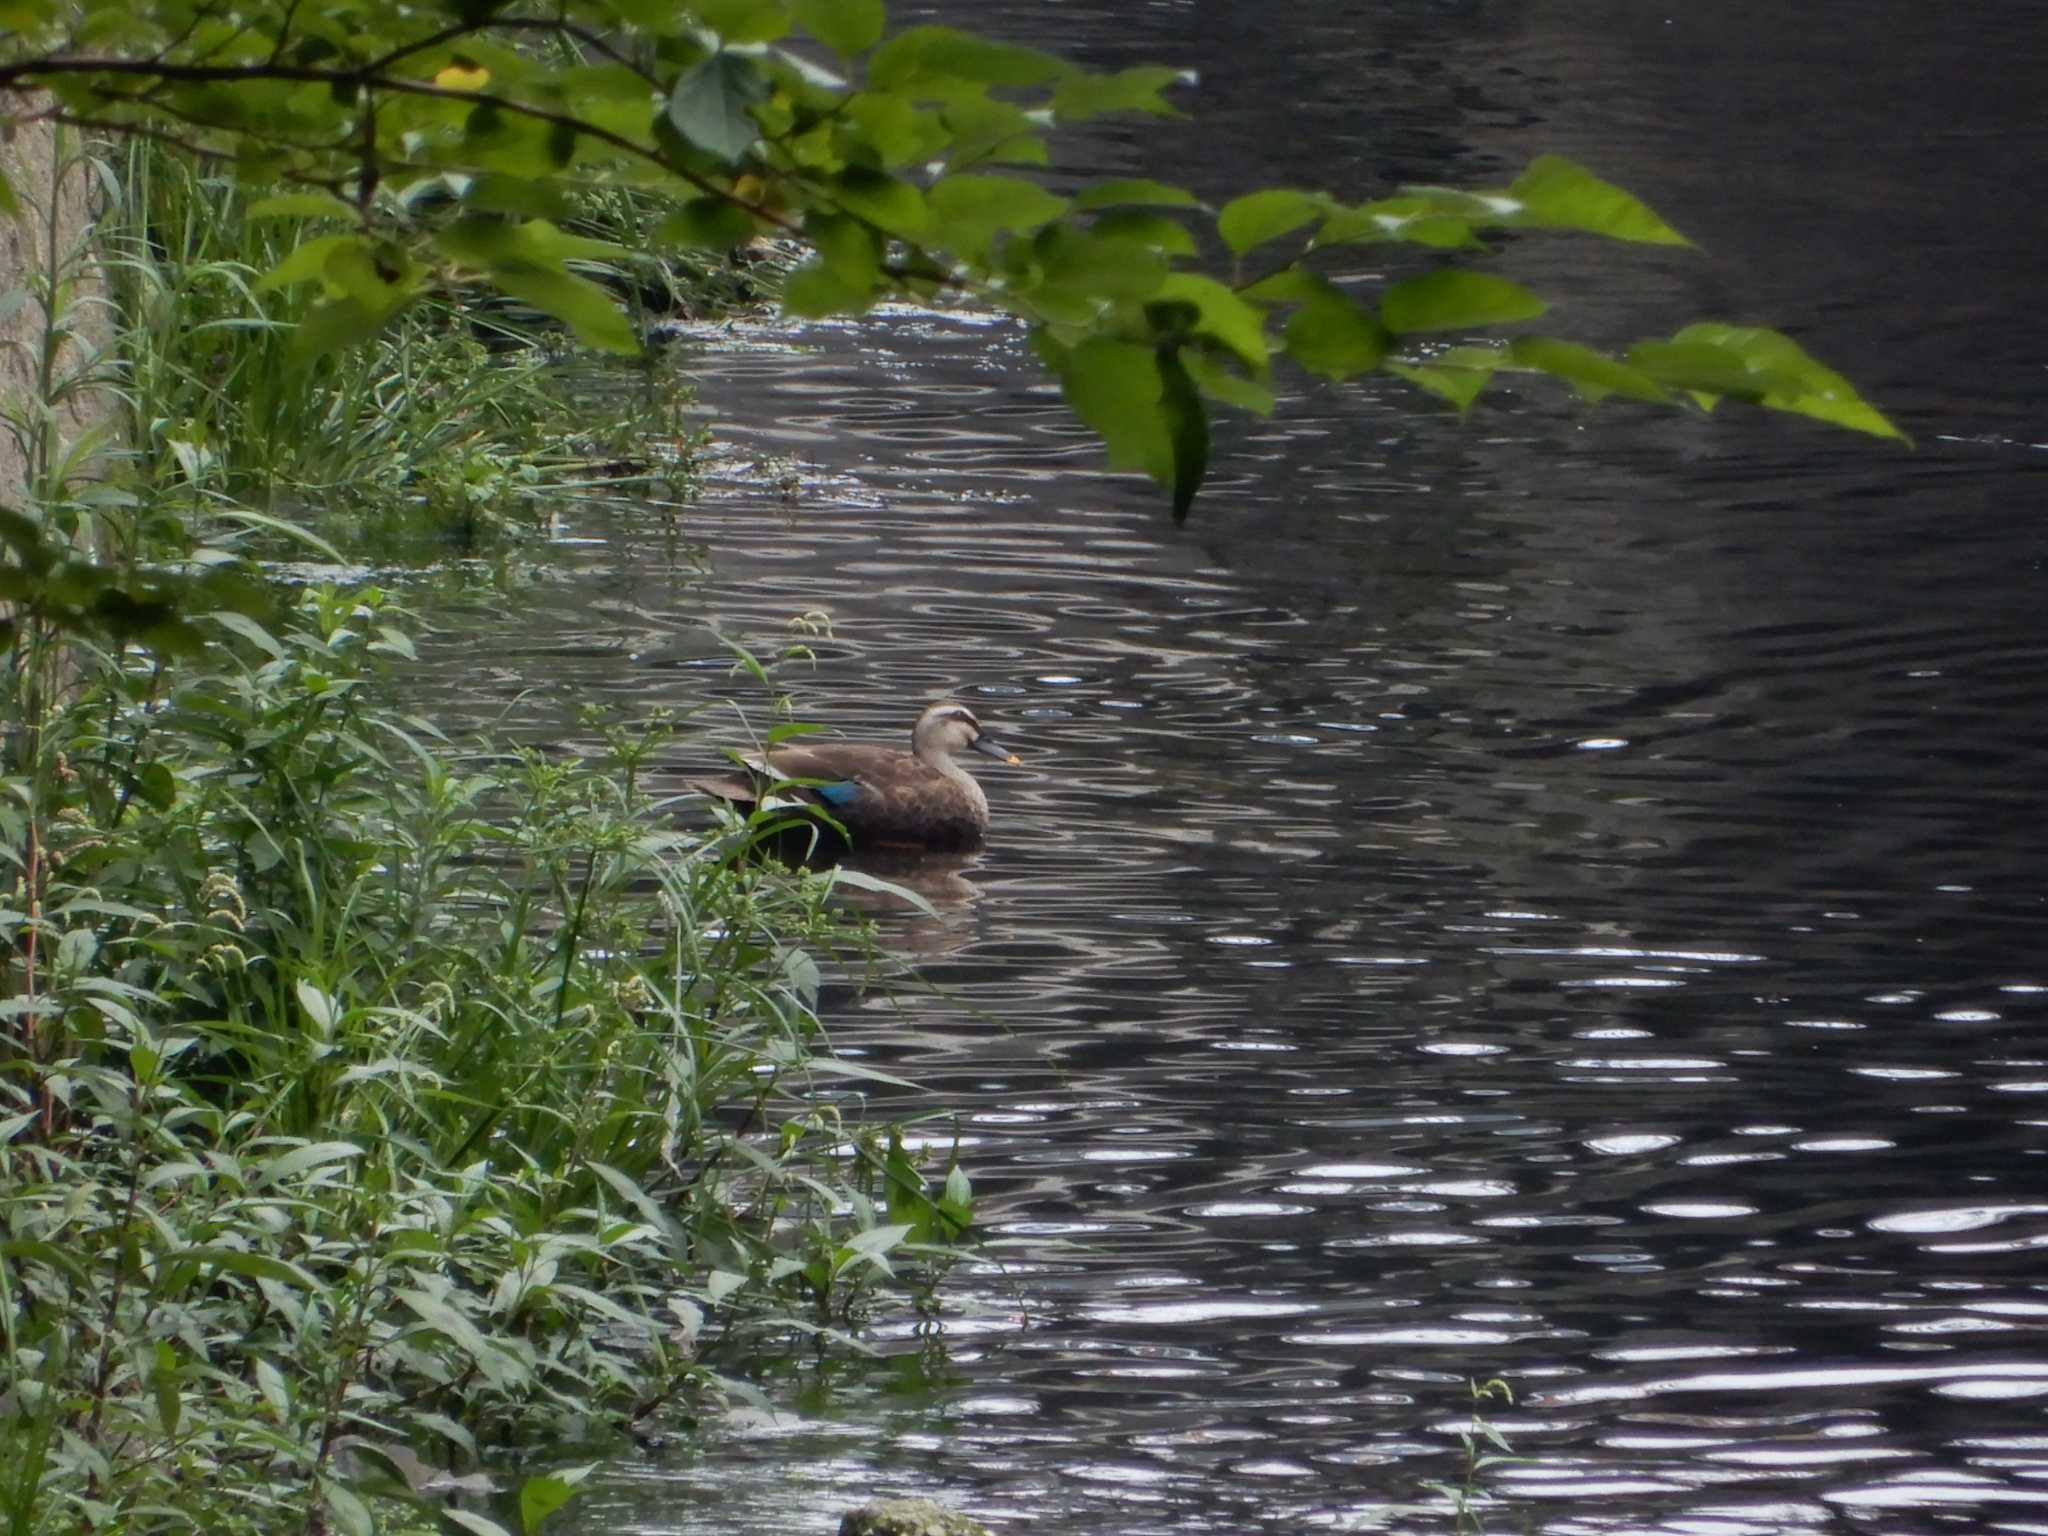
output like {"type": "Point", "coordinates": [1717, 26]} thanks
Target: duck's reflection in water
{"type": "Point", "coordinates": [922, 904]}
{"type": "Point", "coordinates": [923, 901]}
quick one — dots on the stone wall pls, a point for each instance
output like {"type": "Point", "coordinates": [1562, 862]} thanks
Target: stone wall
{"type": "Point", "coordinates": [28, 158]}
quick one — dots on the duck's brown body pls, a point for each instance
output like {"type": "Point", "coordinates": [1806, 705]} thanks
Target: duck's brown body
{"type": "Point", "coordinates": [882, 797]}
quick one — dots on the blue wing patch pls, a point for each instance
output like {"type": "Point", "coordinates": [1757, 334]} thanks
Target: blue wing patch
{"type": "Point", "coordinates": [837, 795]}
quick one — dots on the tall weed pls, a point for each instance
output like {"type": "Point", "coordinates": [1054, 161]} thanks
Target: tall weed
{"type": "Point", "coordinates": [458, 426]}
{"type": "Point", "coordinates": [365, 1095]}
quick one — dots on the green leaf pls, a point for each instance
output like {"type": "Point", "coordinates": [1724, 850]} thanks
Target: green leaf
{"type": "Point", "coordinates": [927, 56]}
{"type": "Point", "coordinates": [1336, 336]}
{"type": "Point", "coordinates": [1594, 375]}
{"type": "Point", "coordinates": [541, 1496]}
{"type": "Point", "coordinates": [25, 538]}
{"type": "Point", "coordinates": [307, 263]}
{"type": "Point", "coordinates": [318, 1005]}
{"type": "Point", "coordinates": [163, 1382]}
{"type": "Point", "coordinates": [561, 150]}
{"type": "Point", "coordinates": [982, 128]}
{"type": "Point", "coordinates": [608, 94]}
{"type": "Point", "coordinates": [1070, 273]}
{"type": "Point", "coordinates": [842, 874]}
{"type": "Point", "coordinates": [1292, 284]}
{"type": "Point", "coordinates": [75, 951]}
{"type": "Point", "coordinates": [276, 1395]}
{"type": "Point", "coordinates": [1452, 300]}
{"type": "Point", "coordinates": [1698, 368]}
{"type": "Point", "coordinates": [630, 1191]}
{"type": "Point", "coordinates": [368, 283]}
{"type": "Point", "coordinates": [894, 129]}
{"type": "Point", "coordinates": [495, 192]}
{"type": "Point", "coordinates": [1135, 193]}
{"type": "Point", "coordinates": [1079, 96]}
{"type": "Point", "coordinates": [959, 1195]}
{"type": "Point", "coordinates": [743, 21]}
{"type": "Point", "coordinates": [892, 206]}
{"type": "Point", "coordinates": [10, 205]}
{"type": "Point", "coordinates": [157, 786]}
{"type": "Point", "coordinates": [1018, 149]}
{"type": "Point", "coordinates": [1457, 375]}
{"type": "Point", "coordinates": [1151, 230]}
{"type": "Point", "coordinates": [844, 274]}
{"type": "Point", "coordinates": [1223, 315]}
{"type": "Point", "coordinates": [833, 1066]}
{"type": "Point", "coordinates": [469, 1520]}
{"type": "Point", "coordinates": [33, 1251]}
{"type": "Point", "coordinates": [1149, 417]}
{"type": "Point", "coordinates": [351, 1515]}
{"type": "Point", "coordinates": [303, 205]}
{"type": "Point", "coordinates": [253, 632]}
{"type": "Point", "coordinates": [494, 139]}
{"type": "Point", "coordinates": [526, 260]}
{"type": "Point", "coordinates": [1187, 428]}
{"type": "Point", "coordinates": [458, 1435]}
{"type": "Point", "coordinates": [709, 105]}
{"type": "Point", "coordinates": [285, 529]}
{"type": "Point", "coordinates": [846, 27]}
{"type": "Point", "coordinates": [706, 223]}
{"type": "Point", "coordinates": [496, 1361]}
{"type": "Point", "coordinates": [1217, 381]}
{"type": "Point", "coordinates": [302, 1160]}
{"type": "Point", "coordinates": [968, 211]}
{"type": "Point", "coordinates": [1557, 193]}
{"type": "Point", "coordinates": [381, 275]}
{"type": "Point", "coordinates": [1440, 217]}
{"type": "Point", "coordinates": [334, 326]}
{"type": "Point", "coordinates": [1257, 217]}
{"type": "Point", "coordinates": [1774, 371]}
{"type": "Point", "coordinates": [907, 1196]}
{"type": "Point", "coordinates": [585, 307]}
{"type": "Point", "coordinates": [876, 1240]}
{"type": "Point", "coordinates": [257, 1266]}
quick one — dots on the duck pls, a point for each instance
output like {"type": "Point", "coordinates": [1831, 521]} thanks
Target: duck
{"type": "Point", "coordinates": [883, 797]}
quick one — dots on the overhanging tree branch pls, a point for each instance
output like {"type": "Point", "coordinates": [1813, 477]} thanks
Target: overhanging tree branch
{"type": "Point", "coordinates": [917, 168]}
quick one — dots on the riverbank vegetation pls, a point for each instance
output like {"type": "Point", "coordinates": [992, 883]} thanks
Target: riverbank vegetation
{"type": "Point", "coordinates": [371, 1103]}
{"type": "Point", "coordinates": [454, 428]}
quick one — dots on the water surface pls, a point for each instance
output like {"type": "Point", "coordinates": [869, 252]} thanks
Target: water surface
{"type": "Point", "coordinates": [1557, 896]}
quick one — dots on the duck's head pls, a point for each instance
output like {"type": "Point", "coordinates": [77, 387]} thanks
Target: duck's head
{"type": "Point", "coordinates": [947, 728]}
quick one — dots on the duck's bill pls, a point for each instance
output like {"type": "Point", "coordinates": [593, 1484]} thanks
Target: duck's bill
{"type": "Point", "coordinates": [1000, 754]}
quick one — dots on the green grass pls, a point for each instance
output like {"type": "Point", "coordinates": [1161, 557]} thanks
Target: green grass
{"type": "Point", "coordinates": [460, 426]}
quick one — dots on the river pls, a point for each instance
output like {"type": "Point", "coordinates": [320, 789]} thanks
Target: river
{"type": "Point", "coordinates": [1557, 896]}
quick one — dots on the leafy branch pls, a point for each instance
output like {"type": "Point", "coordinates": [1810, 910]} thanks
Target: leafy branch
{"type": "Point", "coordinates": [917, 165]}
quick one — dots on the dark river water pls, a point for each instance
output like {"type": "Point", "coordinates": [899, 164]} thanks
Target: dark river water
{"type": "Point", "coordinates": [1561, 896]}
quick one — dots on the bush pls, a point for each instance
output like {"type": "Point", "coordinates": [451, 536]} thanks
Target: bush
{"type": "Point", "coordinates": [352, 1092]}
